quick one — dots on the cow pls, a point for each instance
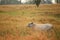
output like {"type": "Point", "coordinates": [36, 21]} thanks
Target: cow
{"type": "Point", "coordinates": [37, 2]}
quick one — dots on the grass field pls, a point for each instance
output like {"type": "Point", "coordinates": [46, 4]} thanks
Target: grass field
{"type": "Point", "coordinates": [14, 20]}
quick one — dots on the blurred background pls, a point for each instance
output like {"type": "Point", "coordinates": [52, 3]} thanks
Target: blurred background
{"type": "Point", "coordinates": [28, 1]}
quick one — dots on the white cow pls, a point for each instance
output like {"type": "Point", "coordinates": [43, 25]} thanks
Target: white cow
{"type": "Point", "coordinates": [43, 27]}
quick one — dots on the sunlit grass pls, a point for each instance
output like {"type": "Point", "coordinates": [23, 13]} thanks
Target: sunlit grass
{"type": "Point", "coordinates": [14, 20]}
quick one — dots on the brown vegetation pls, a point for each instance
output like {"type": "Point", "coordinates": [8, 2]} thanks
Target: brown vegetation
{"type": "Point", "coordinates": [14, 20]}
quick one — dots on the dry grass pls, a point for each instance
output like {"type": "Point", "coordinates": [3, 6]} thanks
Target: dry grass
{"type": "Point", "coordinates": [14, 20]}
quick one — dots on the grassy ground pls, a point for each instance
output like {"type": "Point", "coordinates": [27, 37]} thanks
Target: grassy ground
{"type": "Point", "coordinates": [14, 20]}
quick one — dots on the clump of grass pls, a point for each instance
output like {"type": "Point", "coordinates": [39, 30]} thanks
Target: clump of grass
{"type": "Point", "coordinates": [55, 15]}
{"type": "Point", "coordinates": [11, 31]}
{"type": "Point", "coordinates": [2, 11]}
{"type": "Point", "coordinates": [2, 33]}
{"type": "Point", "coordinates": [9, 13]}
{"type": "Point", "coordinates": [58, 34]}
{"type": "Point", "coordinates": [24, 32]}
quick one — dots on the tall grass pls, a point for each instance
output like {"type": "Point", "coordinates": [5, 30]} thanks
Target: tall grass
{"type": "Point", "coordinates": [14, 20]}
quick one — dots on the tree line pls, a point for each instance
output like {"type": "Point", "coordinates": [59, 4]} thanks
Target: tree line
{"type": "Point", "coordinates": [37, 2]}
{"type": "Point", "coordinates": [15, 2]}
{"type": "Point", "coordinates": [9, 2]}
{"type": "Point", "coordinates": [27, 1]}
